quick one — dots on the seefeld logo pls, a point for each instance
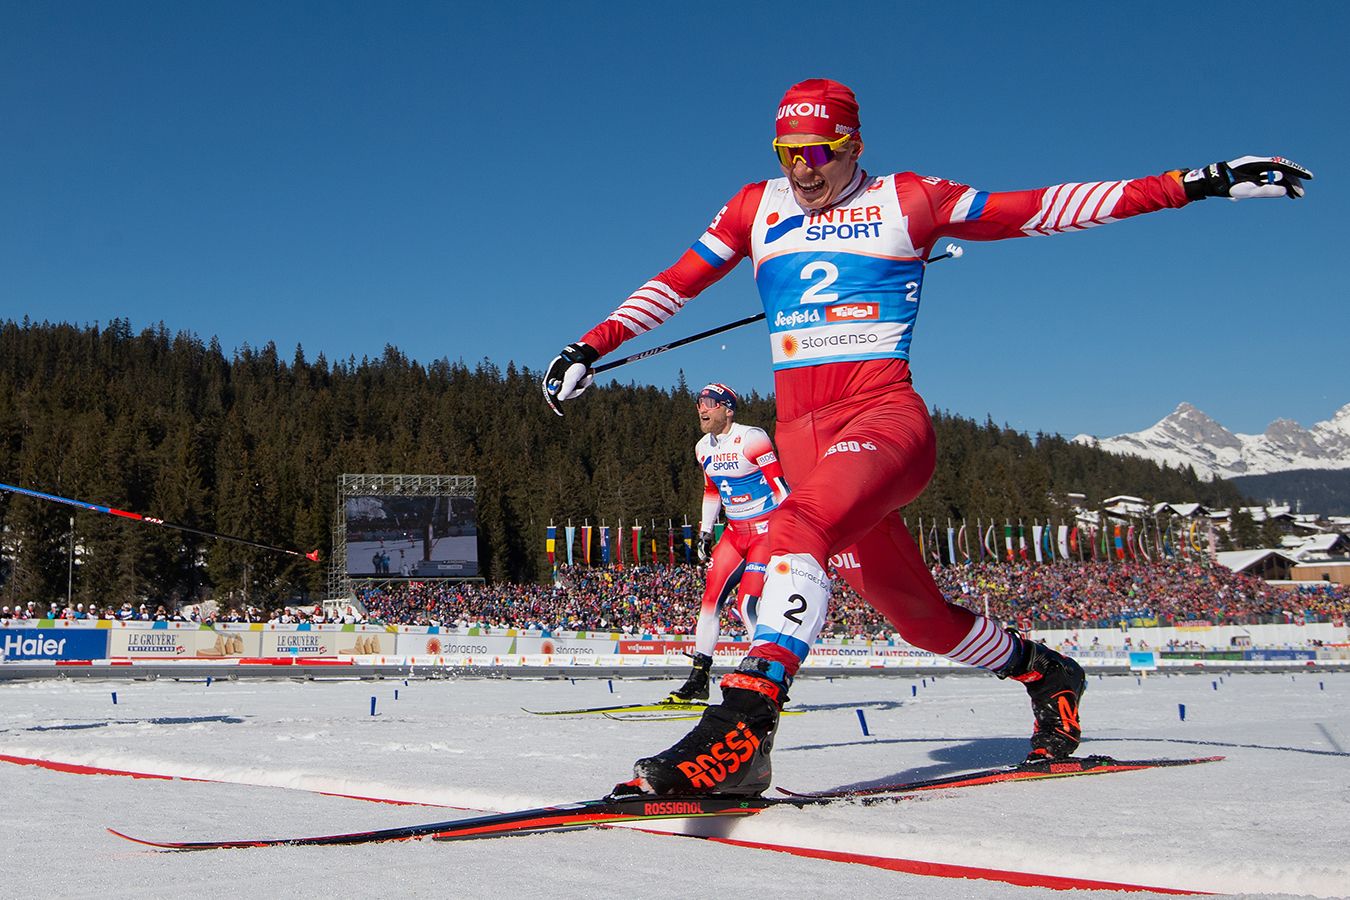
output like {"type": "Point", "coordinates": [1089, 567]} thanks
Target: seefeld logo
{"type": "Point", "coordinates": [795, 318]}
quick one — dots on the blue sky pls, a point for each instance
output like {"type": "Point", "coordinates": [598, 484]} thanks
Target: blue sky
{"type": "Point", "coordinates": [490, 180]}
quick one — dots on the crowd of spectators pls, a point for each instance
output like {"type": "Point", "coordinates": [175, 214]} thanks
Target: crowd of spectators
{"type": "Point", "coordinates": [207, 613]}
{"type": "Point", "coordinates": [660, 599]}
{"type": "Point", "coordinates": [665, 600]}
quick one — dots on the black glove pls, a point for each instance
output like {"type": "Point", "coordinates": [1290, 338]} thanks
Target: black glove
{"type": "Point", "coordinates": [569, 374]}
{"type": "Point", "coordinates": [1247, 176]}
{"type": "Point", "coordinates": [705, 545]}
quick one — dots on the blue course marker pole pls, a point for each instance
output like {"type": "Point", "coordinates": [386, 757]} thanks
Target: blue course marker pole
{"type": "Point", "coordinates": [914, 690]}
{"type": "Point", "coordinates": [395, 693]}
{"type": "Point", "coordinates": [114, 693]}
{"type": "Point", "coordinates": [372, 706]}
{"type": "Point", "coordinates": [862, 720]}
{"type": "Point", "coordinates": [208, 680]}
{"type": "Point", "coordinates": [1181, 711]}
{"type": "Point", "coordinates": [611, 685]}
{"type": "Point", "coordinates": [1216, 685]}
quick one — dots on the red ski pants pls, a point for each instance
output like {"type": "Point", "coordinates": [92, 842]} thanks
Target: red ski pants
{"type": "Point", "coordinates": [850, 467]}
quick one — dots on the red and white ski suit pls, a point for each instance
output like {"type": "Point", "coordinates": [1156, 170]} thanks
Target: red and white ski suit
{"type": "Point", "coordinates": [742, 475]}
{"type": "Point", "coordinates": [841, 290]}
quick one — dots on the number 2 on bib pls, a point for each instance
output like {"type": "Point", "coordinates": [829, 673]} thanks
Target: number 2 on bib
{"type": "Point", "coordinates": [813, 293]}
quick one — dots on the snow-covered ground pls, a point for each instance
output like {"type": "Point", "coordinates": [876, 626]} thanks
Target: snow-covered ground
{"type": "Point", "coordinates": [1272, 819]}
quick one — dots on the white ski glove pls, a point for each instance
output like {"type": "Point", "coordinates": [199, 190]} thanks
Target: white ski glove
{"type": "Point", "coordinates": [569, 374]}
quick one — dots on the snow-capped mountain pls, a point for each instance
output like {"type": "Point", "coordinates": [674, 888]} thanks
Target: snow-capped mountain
{"type": "Point", "coordinates": [1189, 437]}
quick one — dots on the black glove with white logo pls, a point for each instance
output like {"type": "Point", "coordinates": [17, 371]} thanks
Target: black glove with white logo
{"type": "Point", "coordinates": [1247, 176]}
{"type": "Point", "coordinates": [705, 545]}
{"type": "Point", "coordinates": [569, 374]}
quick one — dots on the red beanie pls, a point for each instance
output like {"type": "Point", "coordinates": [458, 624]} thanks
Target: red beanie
{"type": "Point", "coordinates": [818, 106]}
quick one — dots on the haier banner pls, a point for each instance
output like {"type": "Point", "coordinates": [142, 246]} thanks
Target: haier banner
{"type": "Point", "coordinates": [53, 643]}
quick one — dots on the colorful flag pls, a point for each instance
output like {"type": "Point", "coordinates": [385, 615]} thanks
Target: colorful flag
{"type": "Point", "coordinates": [550, 543]}
{"type": "Point", "coordinates": [637, 544]}
{"type": "Point", "coordinates": [1037, 531]}
{"type": "Point", "coordinates": [604, 545]}
{"type": "Point", "coordinates": [923, 553]}
{"type": "Point", "coordinates": [1048, 542]}
{"type": "Point", "coordinates": [586, 544]}
{"type": "Point", "coordinates": [670, 541]}
{"type": "Point", "coordinates": [571, 535]}
{"type": "Point", "coordinates": [951, 544]}
{"type": "Point", "coordinates": [1118, 542]}
{"type": "Point", "coordinates": [1064, 542]}
{"type": "Point", "coordinates": [963, 541]}
{"type": "Point", "coordinates": [618, 545]}
{"type": "Point", "coordinates": [990, 548]}
{"type": "Point", "coordinates": [1021, 540]}
{"type": "Point", "coordinates": [687, 531]}
{"type": "Point", "coordinates": [1008, 540]}
{"type": "Point", "coordinates": [1129, 543]}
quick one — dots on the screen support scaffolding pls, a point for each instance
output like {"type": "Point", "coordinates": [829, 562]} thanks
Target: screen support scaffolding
{"type": "Point", "coordinates": [341, 585]}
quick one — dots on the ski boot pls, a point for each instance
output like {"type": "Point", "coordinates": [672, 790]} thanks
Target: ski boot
{"type": "Point", "coordinates": [728, 750]}
{"type": "Point", "coordinates": [1056, 684]}
{"type": "Point", "coordinates": [695, 688]}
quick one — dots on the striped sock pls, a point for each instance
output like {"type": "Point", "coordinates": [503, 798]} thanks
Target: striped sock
{"type": "Point", "coordinates": [986, 646]}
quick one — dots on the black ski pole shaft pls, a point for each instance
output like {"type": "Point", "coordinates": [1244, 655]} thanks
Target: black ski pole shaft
{"type": "Point", "coordinates": [953, 252]}
{"type": "Point", "coordinates": [680, 343]}
{"type": "Point", "coordinates": [312, 556]}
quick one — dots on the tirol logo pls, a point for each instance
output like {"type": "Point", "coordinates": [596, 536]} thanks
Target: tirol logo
{"type": "Point", "coordinates": [853, 312]}
{"type": "Point", "coordinates": [803, 109]}
{"type": "Point", "coordinates": [796, 317]}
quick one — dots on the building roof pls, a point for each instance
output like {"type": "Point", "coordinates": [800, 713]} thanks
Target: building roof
{"type": "Point", "coordinates": [1241, 560]}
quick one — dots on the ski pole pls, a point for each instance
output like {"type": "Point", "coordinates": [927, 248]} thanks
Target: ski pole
{"type": "Point", "coordinates": [312, 556]}
{"type": "Point", "coordinates": [953, 251]}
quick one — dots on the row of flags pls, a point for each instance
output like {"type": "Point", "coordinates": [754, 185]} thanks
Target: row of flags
{"type": "Point", "coordinates": [601, 545]}
{"type": "Point", "coordinates": [1047, 543]}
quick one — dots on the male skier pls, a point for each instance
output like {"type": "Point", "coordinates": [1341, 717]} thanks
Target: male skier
{"type": "Point", "coordinates": [838, 259]}
{"type": "Point", "coordinates": [742, 475]}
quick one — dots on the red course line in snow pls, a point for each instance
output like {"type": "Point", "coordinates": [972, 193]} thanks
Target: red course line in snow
{"type": "Point", "coordinates": [948, 870]}
{"type": "Point", "coordinates": [77, 769]}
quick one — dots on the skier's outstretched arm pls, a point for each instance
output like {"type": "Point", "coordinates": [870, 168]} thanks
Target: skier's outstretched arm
{"type": "Point", "coordinates": [964, 212]}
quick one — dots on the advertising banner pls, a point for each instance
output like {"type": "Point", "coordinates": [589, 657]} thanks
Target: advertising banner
{"type": "Point", "coordinates": [1283, 655]}
{"type": "Point", "coordinates": [336, 641]}
{"type": "Point", "coordinates": [160, 643]}
{"type": "Point", "coordinates": [53, 643]}
{"type": "Point", "coordinates": [424, 643]}
{"type": "Point", "coordinates": [1143, 661]}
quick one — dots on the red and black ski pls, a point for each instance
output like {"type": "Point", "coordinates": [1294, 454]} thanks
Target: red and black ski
{"type": "Point", "coordinates": [648, 808]}
{"type": "Point", "coordinates": [1027, 771]}
{"type": "Point", "coordinates": [585, 814]}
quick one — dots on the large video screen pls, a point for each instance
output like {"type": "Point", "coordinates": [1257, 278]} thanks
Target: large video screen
{"type": "Point", "coordinates": [412, 537]}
